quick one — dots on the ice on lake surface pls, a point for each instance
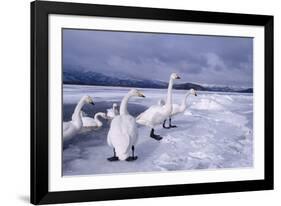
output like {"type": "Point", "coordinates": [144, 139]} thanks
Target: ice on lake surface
{"type": "Point", "coordinates": [216, 131]}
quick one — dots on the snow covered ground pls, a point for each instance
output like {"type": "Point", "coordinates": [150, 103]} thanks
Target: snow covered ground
{"type": "Point", "coordinates": [214, 132]}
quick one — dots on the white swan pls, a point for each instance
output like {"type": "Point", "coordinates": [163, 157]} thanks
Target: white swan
{"type": "Point", "coordinates": [178, 108]}
{"type": "Point", "coordinates": [112, 112]}
{"type": "Point", "coordinates": [72, 127]}
{"type": "Point", "coordinates": [156, 114]}
{"type": "Point", "coordinates": [93, 122]}
{"type": "Point", "coordinates": [123, 131]}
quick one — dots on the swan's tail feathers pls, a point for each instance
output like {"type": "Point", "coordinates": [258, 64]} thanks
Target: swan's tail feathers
{"type": "Point", "coordinates": [122, 156]}
{"type": "Point", "coordinates": [122, 150]}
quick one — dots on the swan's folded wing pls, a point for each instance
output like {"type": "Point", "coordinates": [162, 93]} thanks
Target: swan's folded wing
{"type": "Point", "coordinates": [150, 116]}
{"type": "Point", "coordinates": [131, 130]}
{"type": "Point", "coordinates": [149, 113]}
{"type": "Point", "coordinates": [119, 136]}
{"type": "Point", "coordinates": [158, 117]}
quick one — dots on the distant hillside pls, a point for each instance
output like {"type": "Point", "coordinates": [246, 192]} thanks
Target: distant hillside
{"type": "Point", "coordinates": [98, 79]}
{"type": "Point", "coordinates": [94, 78]}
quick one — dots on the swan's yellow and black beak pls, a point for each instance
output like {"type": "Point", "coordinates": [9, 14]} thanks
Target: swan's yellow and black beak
{"type": "Point", "coordinates": [92, 103]}
{"type": "Point", "coordinates": [141, 94]}
{"type": "Point", "coordinates": [177, 77]}
{"type": "Point", "coordinates": [195, 94]}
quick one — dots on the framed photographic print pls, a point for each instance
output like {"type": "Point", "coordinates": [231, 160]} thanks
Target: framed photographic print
{"type": "Point", "coordinates": [131, 102]}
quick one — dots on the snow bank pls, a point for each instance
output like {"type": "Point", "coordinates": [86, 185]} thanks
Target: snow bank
{"type": "Point", "coordinates": [206, 104]}
{"type": "Point", "coordinates": [222, 99]}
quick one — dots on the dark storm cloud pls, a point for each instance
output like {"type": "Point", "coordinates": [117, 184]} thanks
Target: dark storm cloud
{"type": "Point", "coordinates": [202, 59]}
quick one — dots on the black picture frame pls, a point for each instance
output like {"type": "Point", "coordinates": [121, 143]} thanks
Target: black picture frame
{"type": "Point", "coordinates": [40, 108]}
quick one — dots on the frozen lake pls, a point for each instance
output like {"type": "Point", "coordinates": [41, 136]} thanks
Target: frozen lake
{"type": "Point", "coordinates": [214, 132]}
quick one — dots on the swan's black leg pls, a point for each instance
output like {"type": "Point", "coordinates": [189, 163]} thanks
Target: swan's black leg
{"type": "Point", "coordinates": [113, 158]}
{"type": "Point", "coordinates": [133, 157]}
{"type": "Point", "coordinates": [164, 125]}
{"type": "Point", "coordinates": [170, 123]}
{"type": "Point", "coordinates": [155, 136]}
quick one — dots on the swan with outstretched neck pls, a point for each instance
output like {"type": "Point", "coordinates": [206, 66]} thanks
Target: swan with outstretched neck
{"type": "Point", "coordinates": [177, 108]}
{"type": "Point", "coordinates": [93, 122]}
{"type": "Point", "coordinates": [156, 114]}
{"type": "Point", "coordinates": [72, 127]}
{"type": "Point", "coordinates": [123, 132]}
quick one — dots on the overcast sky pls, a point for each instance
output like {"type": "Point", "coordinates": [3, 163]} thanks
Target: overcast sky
{"type": "Point", "coordinates": [200, 59]}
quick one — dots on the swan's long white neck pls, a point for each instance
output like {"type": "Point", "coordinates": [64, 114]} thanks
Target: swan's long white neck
{"type": "Point", "coordinates": [183, 104]}
{"type": "Point", "coordinates": [77, 110]}
{"type": "Point", "coordinates": [169, 92]}
{"type": "Point", "coordinates": [97, 119]}
{"type": "Point", "coordinates": [124, 104]}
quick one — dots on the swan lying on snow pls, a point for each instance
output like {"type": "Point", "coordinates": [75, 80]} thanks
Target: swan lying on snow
{"type": "Point", "coordinates": [72, 127]}
{"type": "Point", "coordinates": [156, 114]}
{"type": "Point", "coordinates": [93, 122]}
{"type": "Point", "coordinates": [177, 108]}
{"type": "Point", "coordinates": [113, 112]}
{"type": "Point", "coordinates": [123, 131]}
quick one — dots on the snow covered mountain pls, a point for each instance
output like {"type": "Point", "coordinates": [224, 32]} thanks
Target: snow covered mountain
{"type": "Point", "coordinates": [99, 79]}
{"type": "Point", "coordinates": [83, 77]}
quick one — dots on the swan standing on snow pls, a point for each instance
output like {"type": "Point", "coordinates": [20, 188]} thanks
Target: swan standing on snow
{"type": "Point", "coordinates": [156, 114]}
{"type": "Point", "coordinates": [113, 112]}
{"type": "Point", "coordinates": [93, 122]}
{"type": "Point", "coordinates": [178, 108]}
{"type": "Point", "coordinates": [72, 127]}
{"type": "Point", "coordinates": [123, 131]}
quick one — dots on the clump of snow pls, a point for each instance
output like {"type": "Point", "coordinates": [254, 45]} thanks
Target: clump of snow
{"type": "Point", "coordinates": [171, 140]}
{"type": "Point", "coordinates": [207, 104]}
{"type": "Point", "coordinates": [199, 155]}
{"type": "Point", "coordinates": [187, 113]}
